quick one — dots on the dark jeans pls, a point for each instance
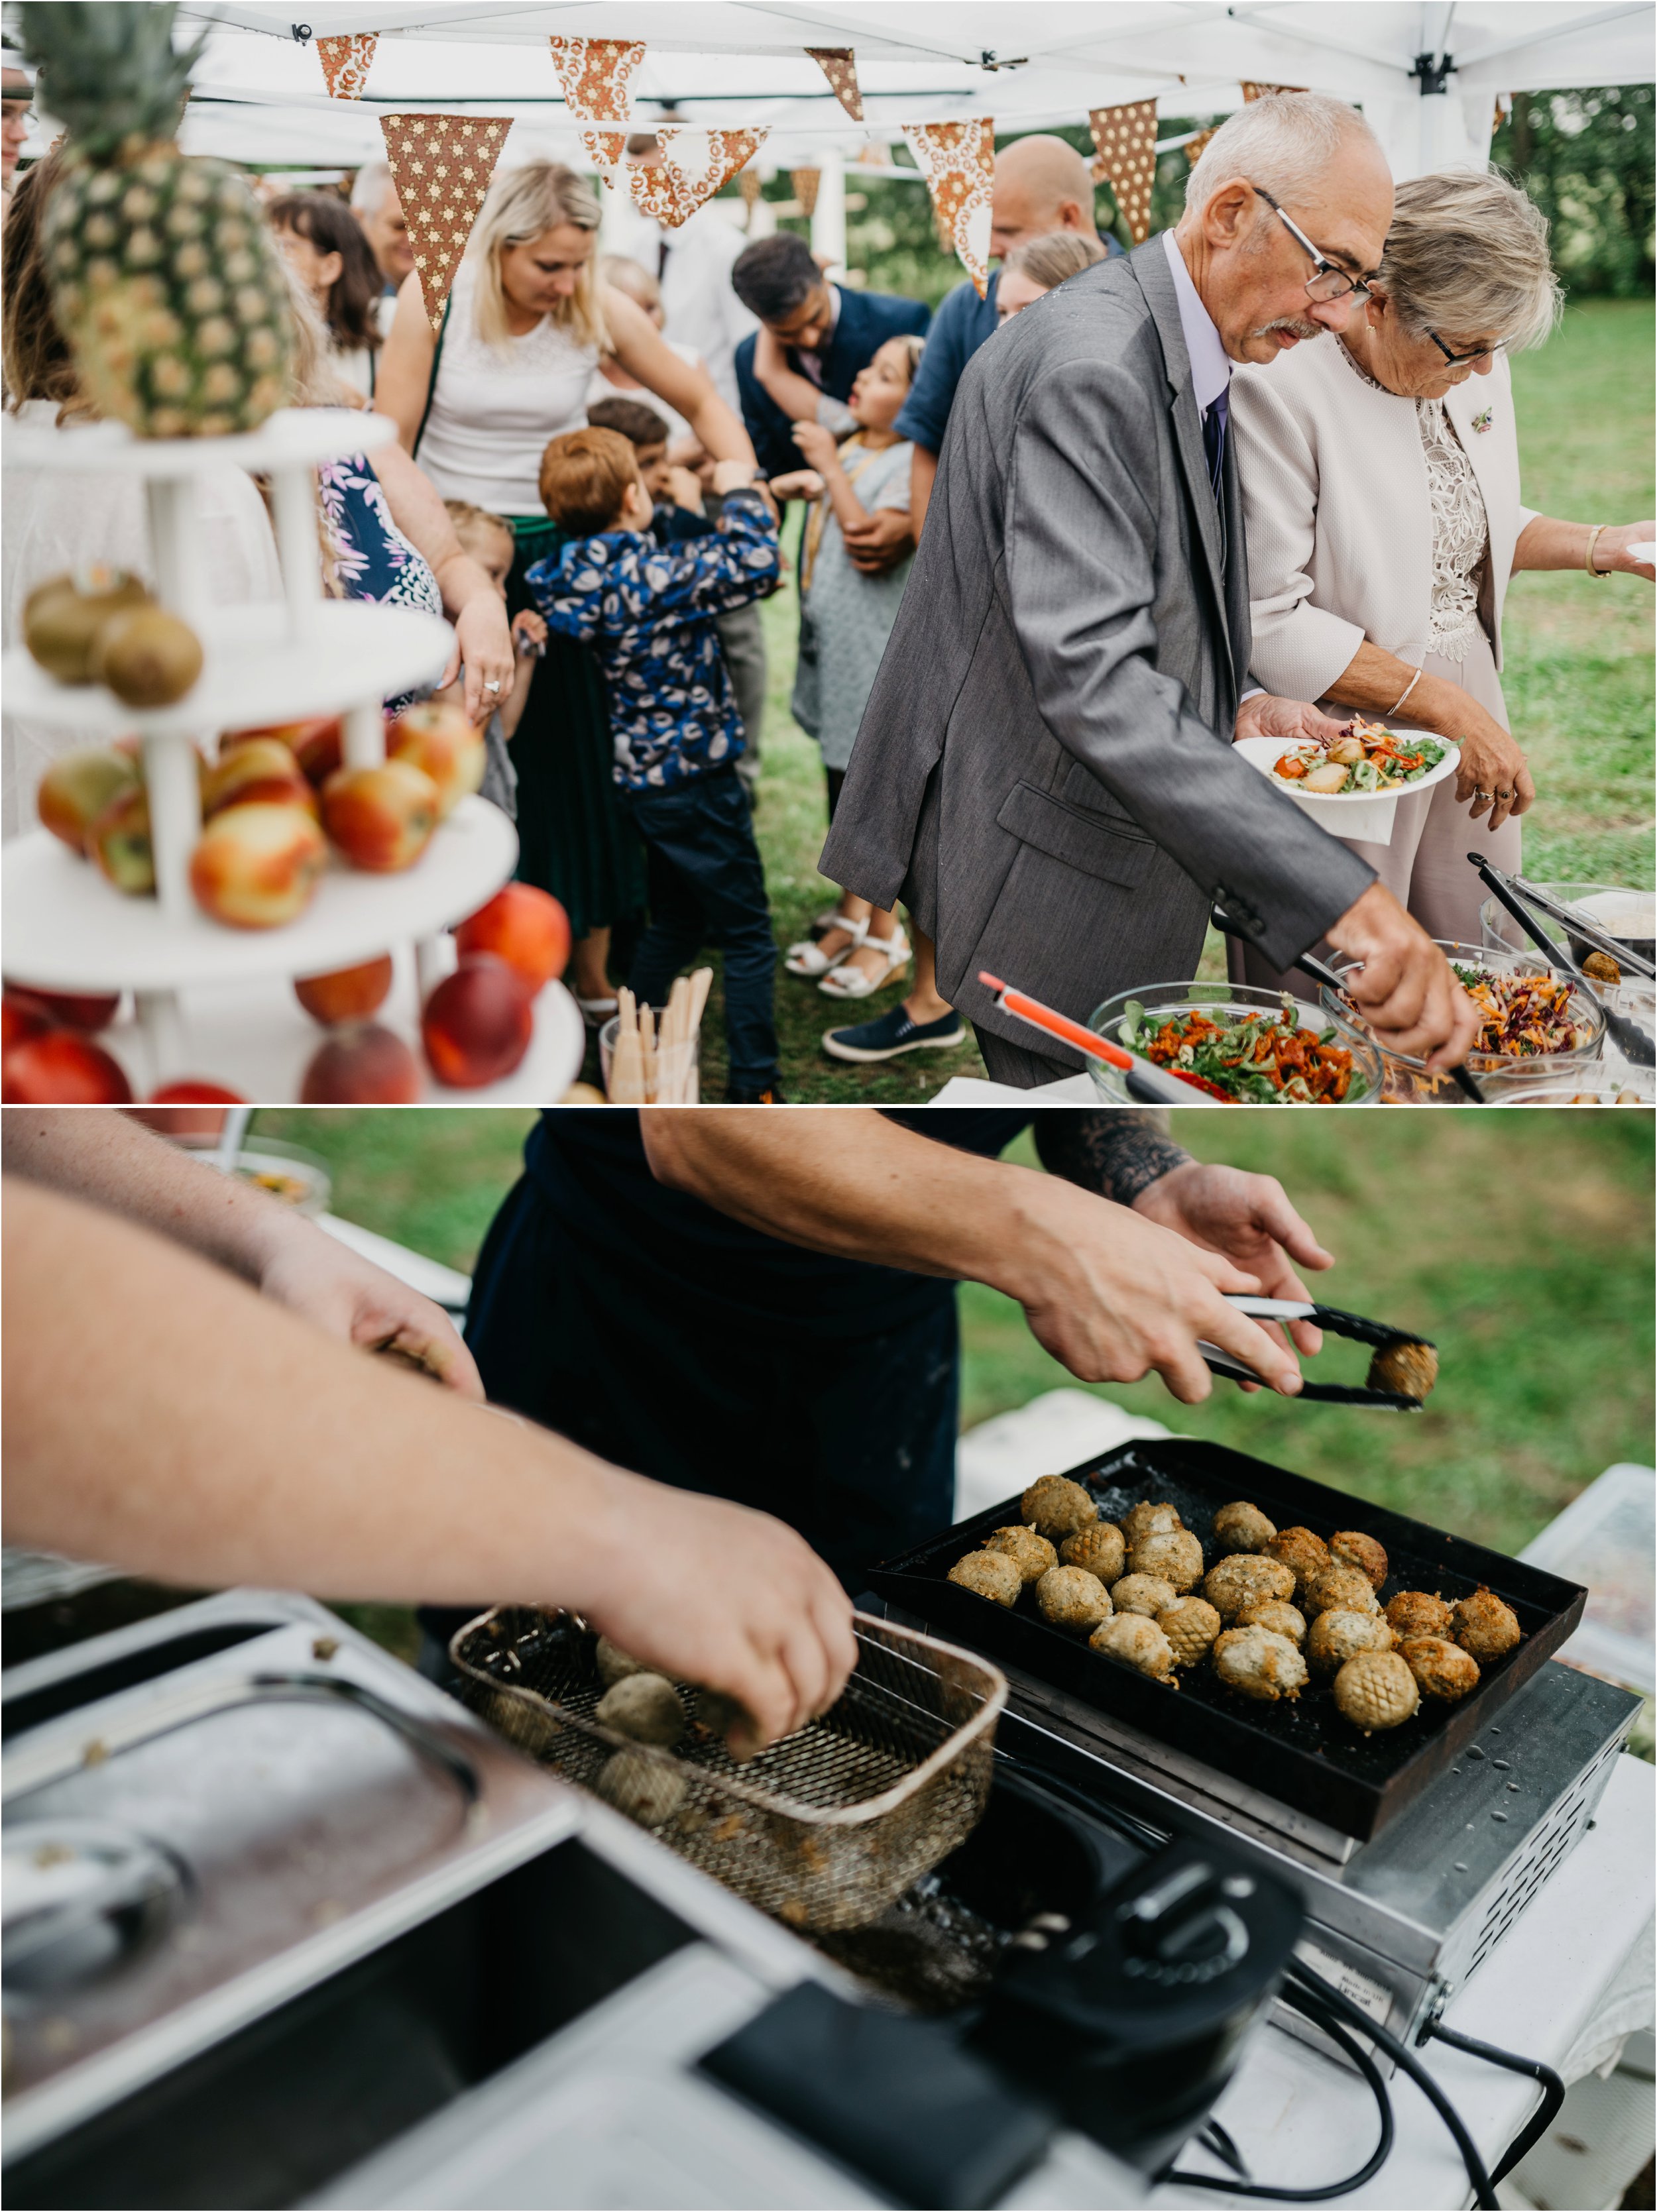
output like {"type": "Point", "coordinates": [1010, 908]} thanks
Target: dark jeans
{"type": "Point", "coordinates": [708, 887]}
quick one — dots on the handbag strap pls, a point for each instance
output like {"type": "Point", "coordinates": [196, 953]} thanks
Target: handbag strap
{"type": "Point", "coordinates": [431, 386]}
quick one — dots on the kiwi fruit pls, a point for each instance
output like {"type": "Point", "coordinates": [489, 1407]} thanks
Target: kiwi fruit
{"type": "Point", "coordinates": [62, 618]}
{"type": "Point", "coordinates": [148, 658]}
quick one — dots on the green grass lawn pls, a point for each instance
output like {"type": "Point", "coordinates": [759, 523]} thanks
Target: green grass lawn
{"type": "Point", "coordinates": [1578, 679]}
{"type": "Point", "coordinates": [1522, 1244]}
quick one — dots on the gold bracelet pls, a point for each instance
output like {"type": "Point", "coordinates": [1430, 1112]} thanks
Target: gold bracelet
{"type": "Point", "coordinates": [1594, 536]}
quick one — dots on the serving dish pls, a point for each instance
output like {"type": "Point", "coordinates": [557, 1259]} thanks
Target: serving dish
{"type": "Point", "coordinates": [1235, 1000]}
{"type": "Point", "coordinates": [1365, 814]}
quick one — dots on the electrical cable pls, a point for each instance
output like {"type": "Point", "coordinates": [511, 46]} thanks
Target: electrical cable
{"type": "Point", "coordinates": [1216, 2138]}
{"type": "Point", "coordinates": [1553, 2090]}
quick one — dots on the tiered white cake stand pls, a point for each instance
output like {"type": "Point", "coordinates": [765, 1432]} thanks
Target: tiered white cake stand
{"type": "Point", "coordinates": [212, 1001]}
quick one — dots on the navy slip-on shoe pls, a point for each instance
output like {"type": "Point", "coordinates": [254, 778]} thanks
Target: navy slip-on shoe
{"type": "Point", "coordinates": [891, 1033]}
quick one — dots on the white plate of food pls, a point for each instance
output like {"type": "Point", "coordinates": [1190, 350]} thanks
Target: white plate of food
{"type": "Point", "coordinates": [1353, 785]}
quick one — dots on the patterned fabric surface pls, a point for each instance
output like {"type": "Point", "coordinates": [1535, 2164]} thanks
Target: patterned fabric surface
{"type": "Point", "coordinates": [372, 558]}
{"type": "Point", "coordinates": [649, 611]}
{"type": "Point", "coordinates": [595, 74]}
{"type": "Point", "coordinates": [839, 65]}
{"type": "Point", "coordinates": [1125, 137]}
{"type": "Point", "coordinates": [693, 166]}
{"type": "Point", "coordinates": [442, 166]}
{"type": "Point", "coordinates": [958, 161]}
{"type": "Point", "coordinates": [345, 62]}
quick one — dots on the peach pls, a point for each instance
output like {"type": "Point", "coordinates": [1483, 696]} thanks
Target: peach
{"type": "Point", "coordinates": [317, 742]}
{"type": "Point", "coordinates": [257, 866]}
{"type": "Point", "coordinates": [435, 735]}
{"type": "Point", "coordinates": [260, 771]}
{"type": "Point", "coordinates": [363, 1067]}
{"type": "Point", "coordinates": [477, 1023]}
{"type": "Point", "coordinates": [381, 819]}
{"type": "Point", "coordinates": [118, 842]}
{"type": "Point", "coordinates": [85, 1011]}
{"type": "Point", "coordinates": [63, 1069]}
{"type": "Point", "coordinates": [21, 1017]}
{"type": "Point", "coordinates": [194, 1091]}
{"type": "Point", "coordinates": [75, 791]}
{"type": "Point", "coordinates": [525, 928]}
{"type": "Point", "coordinates": [348, 994]}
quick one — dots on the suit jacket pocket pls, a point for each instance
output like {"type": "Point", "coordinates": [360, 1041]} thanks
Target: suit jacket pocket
{"type": "Point", "coordinates": [1082, 789]}
{"type": "Point", "coordinates": [1095, 844]}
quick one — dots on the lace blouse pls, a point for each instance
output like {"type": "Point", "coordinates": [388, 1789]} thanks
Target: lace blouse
{"type": "Point", "coordinates": [1461, 533]}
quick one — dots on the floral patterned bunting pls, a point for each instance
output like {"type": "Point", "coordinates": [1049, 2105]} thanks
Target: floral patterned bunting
{"type": "Point", "coordinates": [958, 161]}
{"type": "Point", "coordinates": [595, 74]}
{"type": "Point", "coordinates": [1259, 91]}
{"type": "Point", "coordinates": [345, 62]}
{"type": "Point", "coordinates": [805, 183]}
{"type": "Point", "coordinates": [694, 164]}
{"type": "Point", "coordinates": [442, 166]}
{"type": "Point", "coordinates": [839, 65]}
{"type": "Point", "coordinates": [1125, 137]}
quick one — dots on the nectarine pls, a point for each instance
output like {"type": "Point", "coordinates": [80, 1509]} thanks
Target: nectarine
{"type": "Point", "coordinates": [346, 995]}
{"type": "Point", "coordinates": [260, 772]}
{"type": "Point", "coordinates": [525, 928]}
{"type": "Point", "coordinates": [365, 1066]}
{"type": "Point", "coordinates": [435, 735]}
{"type": "Point", "coordinates": [194, 1091]}
{"type": "Point", "coordinates": [62, 1069]}
{"type": "Point", "coordinates": [88, 1012]}
{"type": "Point", "coordinates": [75, 791]}
{"type": "Point", "coordinates": [381, 819]}
{"type": "Point", "coordinates": [477, 1023]}
{"type": "Point", "coordinates": [118, 841]}
{"type": "Point", "coordinates": [257, 866]}
{"type": "Point", "coordinates": [317, 742]}
{"type": "Point", "coordinates": [21, 1017]}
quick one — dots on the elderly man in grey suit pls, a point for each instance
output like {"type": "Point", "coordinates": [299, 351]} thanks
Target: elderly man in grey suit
{"type": "Point", "coordinates": [1045, 772]}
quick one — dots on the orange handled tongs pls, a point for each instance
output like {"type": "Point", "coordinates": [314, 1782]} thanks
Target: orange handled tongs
{"type": "Point", "coordinates": [1152, 1086]}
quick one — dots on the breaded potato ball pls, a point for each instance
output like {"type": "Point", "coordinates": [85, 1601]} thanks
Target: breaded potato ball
{"type": "Point", "coordinates": [1240, 1527]}
{"type": "Point", "coordinates": [1136, 1642]}
{"type": "Point", "coordinates": [1259, 1664]}
{"type": "Point", "coordinates": [1276, 1614]}
{"type": "Point", "coordinates": [1376, 1690]}
{"type": "Point", "coordinates": [643, 1706]}
{"type": "Point", "coordinates": [1350, 1547]}
{"type": "Point", "coordinates": [1419, 1613]}
{"type": "Point", "coordinates": [1172, 1554]}
{"type": "Point", "coordinates": [1032, 1555]}
{"type": "Point", "coordinates": [1101, 1548]}
{"type": "Point", "coordinates": [615, 1665]}
{"type": "Point", "coordinates": [1302, 1552]}
{"type": "Point", "coordinates": [1245, 1579]}
{"type": "Point", "coordinates": [1335, 1589]}
{"type": "Point", "coordinates": [1142, 1594]}
{"type": "Point", "coordinates": [1072, 1598]}
{"type": "Point", "coordinates": [1485, 1626]}
{"type": "Point", "coordinates": [989, 1574]}
{"type": "Point", "coordinates": [645, 1789]}
{"type": "Point", "coordinates": [1057, 1507]}
{"type": "Point", "coordinates": [1147, 1519]}
{"type": "Point", "coordinates": [1441, 1669]}
{"type": "Point", "coordinates": [1191, 1625]}
{"type": "Point", "coordinates": [1337, 1637]}
{"type": "Point", "coordinates": [1411, 1370]}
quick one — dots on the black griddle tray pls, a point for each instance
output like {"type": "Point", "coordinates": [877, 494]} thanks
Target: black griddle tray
{"type": "Point", "coordinates": [1303, 1754]}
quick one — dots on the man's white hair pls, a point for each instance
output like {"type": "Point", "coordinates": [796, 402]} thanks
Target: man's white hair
{"type": "Point", "coordinates": [374, 182]}
{"type": "Point", "coordinates": [1284, 141]}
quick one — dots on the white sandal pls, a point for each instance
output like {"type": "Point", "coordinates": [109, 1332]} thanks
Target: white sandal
{"type": "Point", "coordinates": [808, 958]}
{"type": "Point", "coordinates": [858, 982]}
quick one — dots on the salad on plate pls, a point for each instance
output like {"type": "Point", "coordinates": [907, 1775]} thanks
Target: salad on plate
{"type": "Point", "coordinates": [1364, 757]}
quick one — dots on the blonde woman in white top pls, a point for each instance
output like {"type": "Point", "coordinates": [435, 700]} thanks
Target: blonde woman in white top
{"type": "Point", "coordinates": [1379, 472]}
{"type": "Point", "coordinates": [477, 401]}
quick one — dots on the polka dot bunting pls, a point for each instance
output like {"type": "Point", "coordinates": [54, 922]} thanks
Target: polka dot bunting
{"type": "Point", "coordinates": [958, 161]}
{"type": "Point", "coordinates": [1194, 145]}
{"type": "Point", "coordinates": [839, 65]}
{"type": "Point", "coordinates": [443, 166]}
{"type": "Point", "coordinates": [694, 164]}
{"type": "Point", "coordinates": [1126, 139]}
{"type": "Point", "coordinates": [345, 62]}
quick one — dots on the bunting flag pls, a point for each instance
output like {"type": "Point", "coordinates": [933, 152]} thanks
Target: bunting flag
{"type": "Point", "coordinates": [1196, 142]}
{"type": "Point", "coordinates": [1259, 91]}
{"type": "Point", "coordinates": [694, 164]}
{"type": "Point", "coordinates": [839, 65]}
{"type": "Point", "coordinates": [595, 74]}
{"type": "Point", "coordinates": [345, 62]}
{"type": "Point", "coordinates": [1126, 138]}
{"type": "Point", "coordinates": [958, 161]}
{"type": "Point", "coordinates": [749, 185]}
{"type": "Point", "coordinates": [805, 183]}
{"type": "Point", "coordinates": [442, 166]}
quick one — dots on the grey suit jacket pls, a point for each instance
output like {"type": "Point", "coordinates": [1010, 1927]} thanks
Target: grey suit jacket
{"type": "Point", "coordinates": [1044, 772]}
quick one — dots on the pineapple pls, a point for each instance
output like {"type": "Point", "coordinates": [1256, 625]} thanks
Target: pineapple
{"type": "Point", "coordinates": [164, 273]}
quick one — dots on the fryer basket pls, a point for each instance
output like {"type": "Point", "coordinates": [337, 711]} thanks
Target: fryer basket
{"type": "Point", "coordinates": [825, 1829]}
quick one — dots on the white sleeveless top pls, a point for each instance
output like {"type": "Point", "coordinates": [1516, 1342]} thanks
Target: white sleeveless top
{"type": "Point", "coordinates": [495, 407]}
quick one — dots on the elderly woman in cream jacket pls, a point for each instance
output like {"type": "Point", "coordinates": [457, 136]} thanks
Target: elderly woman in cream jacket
{"type": "Point", "coordinates": [1379, 472]}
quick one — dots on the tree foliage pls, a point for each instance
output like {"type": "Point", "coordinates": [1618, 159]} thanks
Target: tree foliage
{"type": "Point", "coordinates": [1586, 158]}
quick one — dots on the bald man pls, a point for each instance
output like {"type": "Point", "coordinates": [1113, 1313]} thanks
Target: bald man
{"type": "Point", "coordinates": [1042, 184]}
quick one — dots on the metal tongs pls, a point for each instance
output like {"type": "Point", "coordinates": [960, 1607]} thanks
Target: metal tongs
{"type": "Point", "coordinates": [1337, 1324]}
{"type": "Point", "coordinates": [1519, 898]}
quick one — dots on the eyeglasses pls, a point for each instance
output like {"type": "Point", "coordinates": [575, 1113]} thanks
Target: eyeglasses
{"type": "Point", "coordinates": [1327, 283]}
{"type": "Point", "coordinates": [1461, 359]}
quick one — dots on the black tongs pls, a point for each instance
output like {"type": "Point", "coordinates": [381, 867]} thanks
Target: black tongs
{"type": "Point", "coordinates": [1523, 902]}
{"type": "Point", "coordinates": [1337, 1324]}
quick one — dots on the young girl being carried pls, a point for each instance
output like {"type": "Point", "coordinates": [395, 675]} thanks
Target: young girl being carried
{"type": "Point", "coordinates": [489, 539]}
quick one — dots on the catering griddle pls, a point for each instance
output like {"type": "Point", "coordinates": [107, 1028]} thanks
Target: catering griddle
{"type": "Point", "coordinates": [1302, 1753]}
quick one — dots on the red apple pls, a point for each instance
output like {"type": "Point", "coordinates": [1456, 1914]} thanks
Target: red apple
{"type": "Point", "coordinates": [194, 1091]}
{"type": "Point", "coordinates": [435, 735]}
{"type": "Point", "coordinates": [21, 1017]}
{"type": "Point", "coordinates": [118, 841]}
{"type": "Point", "coordinates": [317, 742]}
{"type": "Point", "coordinates": [75, 791]}
{"type": "Point", "coordinates": [70, 1010]}
{"type": "Point", "coordinates": [362, 1067]}
{"type": "Point", "coordinates": [62, 1069]}
{"type": "Point", "coordinates": [260, 772]}
{"type": "Point", "coordinates": [477, 1023]}
{"type": "Point", "coordinates": [257, 866]}
{"type": "Point", "coordinates": [349, 994]}
{"type": "Point", "coordinates": [381, 819]}
{"type": "Point", "coordinates": [526, 928]}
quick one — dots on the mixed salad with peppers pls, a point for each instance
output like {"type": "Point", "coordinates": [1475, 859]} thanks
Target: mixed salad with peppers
{"type": "Point", "coordinates": [1364, 756]}
{"type": "Point", "coordinates": [1520, 1016]}
{"type": "Point", "coordinates": [1254, 1059]}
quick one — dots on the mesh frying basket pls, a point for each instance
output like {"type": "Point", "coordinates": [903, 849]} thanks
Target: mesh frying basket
{"type": "Point", "coordinates": [825, 1829]}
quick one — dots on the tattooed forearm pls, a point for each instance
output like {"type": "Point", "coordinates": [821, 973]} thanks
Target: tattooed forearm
{"type": "Point", "coordinates": [1111, 1150]}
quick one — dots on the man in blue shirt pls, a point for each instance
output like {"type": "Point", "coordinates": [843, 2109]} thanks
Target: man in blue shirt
{"type": "Point", "coordinates": [1042, 184]}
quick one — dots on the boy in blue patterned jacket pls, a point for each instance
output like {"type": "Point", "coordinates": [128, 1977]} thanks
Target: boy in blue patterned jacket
{"type": "Point", "coordinates": [649, 612]}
